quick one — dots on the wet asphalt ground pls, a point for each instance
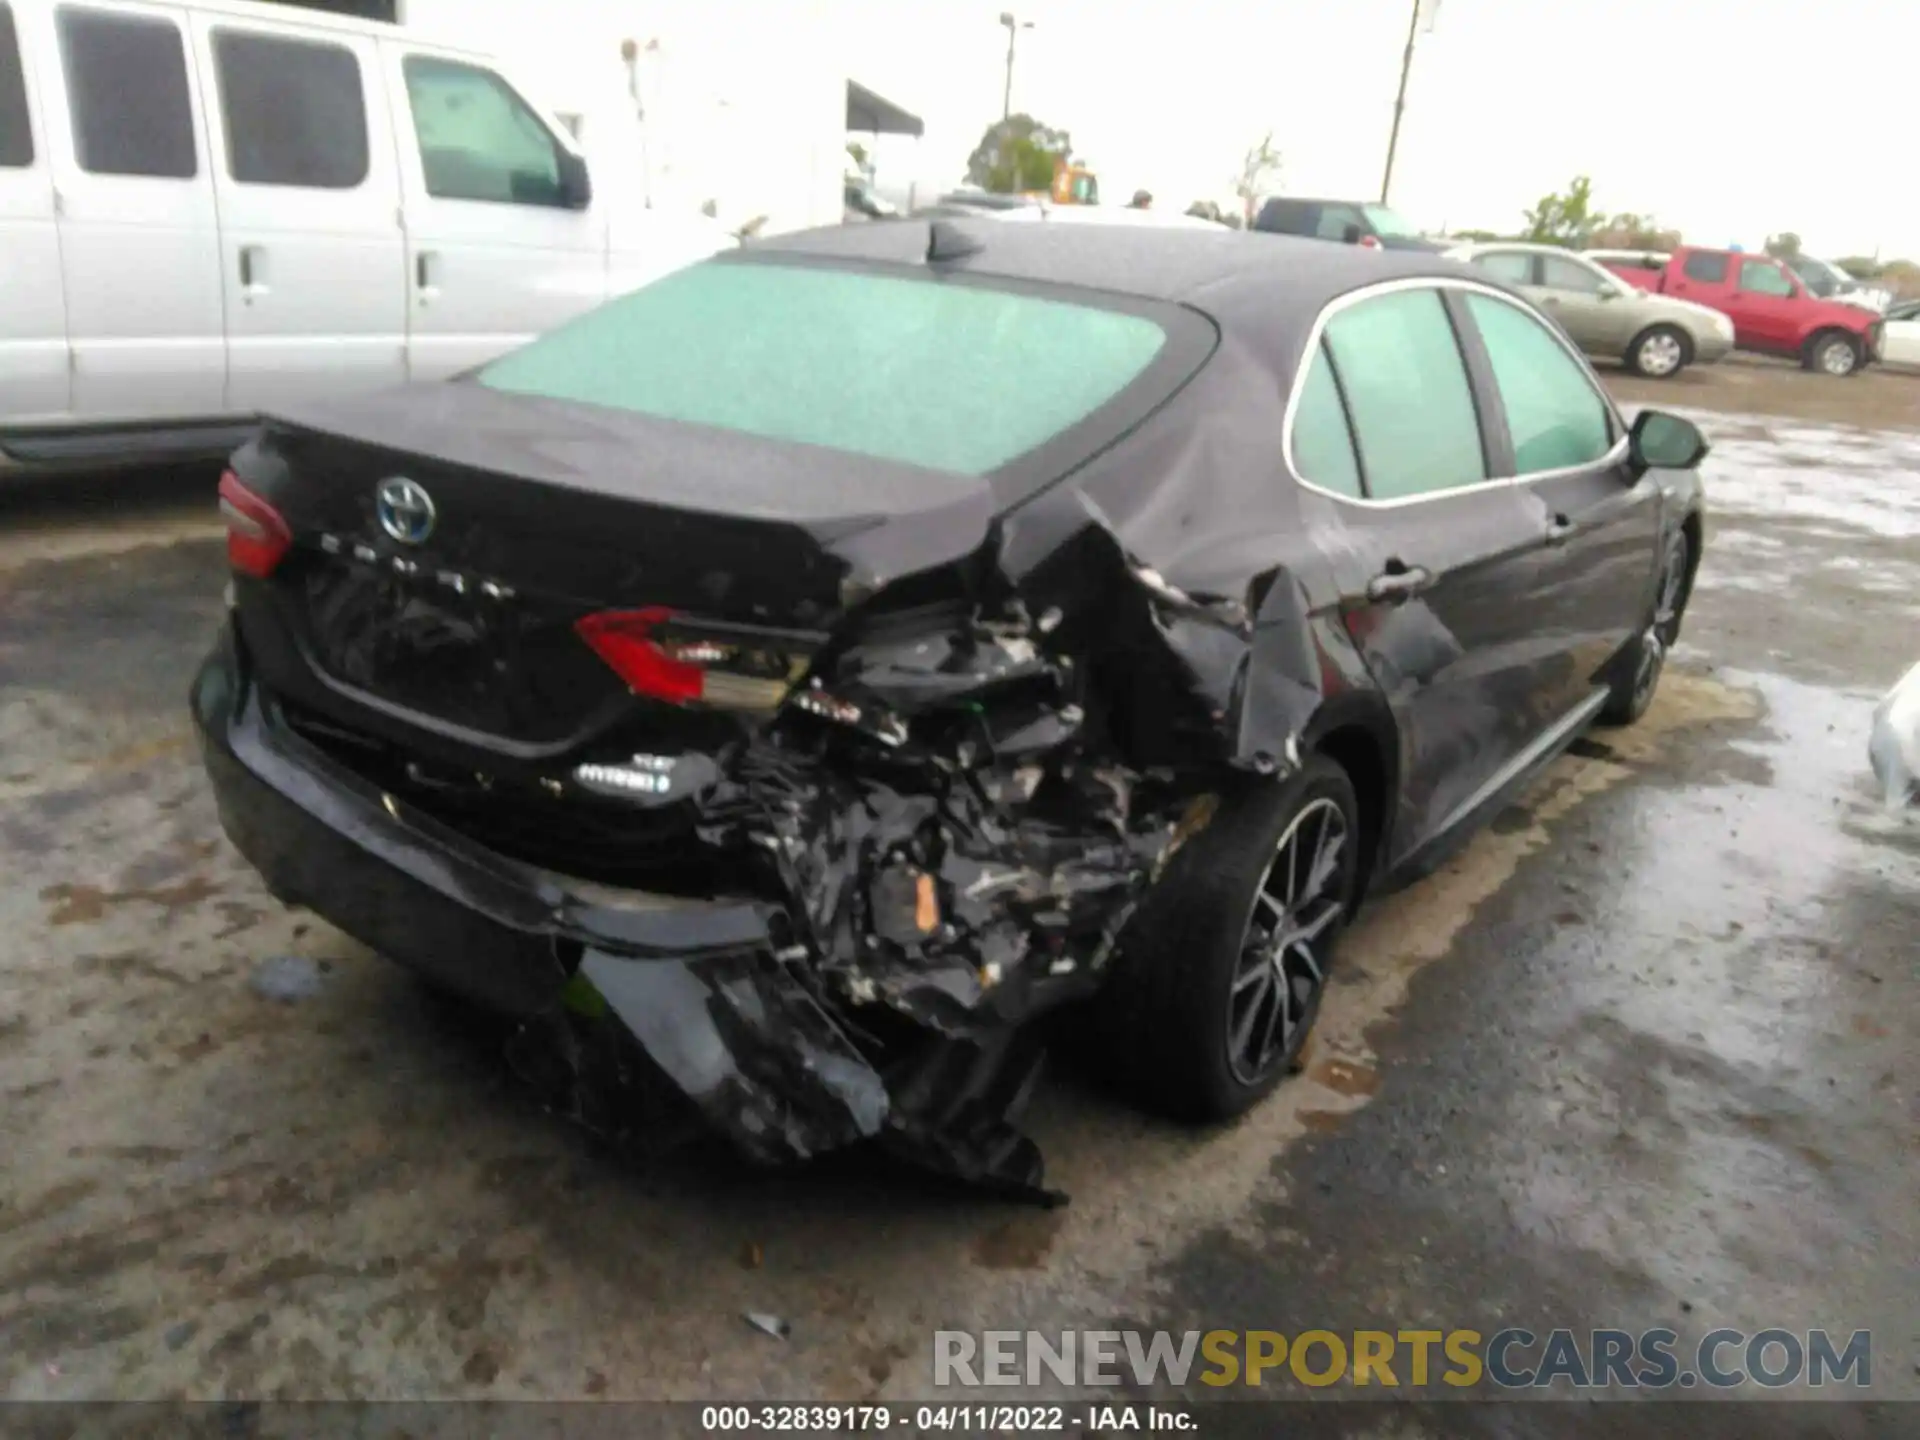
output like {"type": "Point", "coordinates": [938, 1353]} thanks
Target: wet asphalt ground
{"type": "Point", "coordinates": [1642, 1056]}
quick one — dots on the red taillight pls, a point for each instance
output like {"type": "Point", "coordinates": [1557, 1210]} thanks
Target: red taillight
{"type": "Point", "coordinates": [257, 537]}
{"type": "Point", "coordinates": [1370, 242]}
{"type": "Point", "coordinates": [624, 639]}
{"type": "Point", "coordinates": [668, 656]}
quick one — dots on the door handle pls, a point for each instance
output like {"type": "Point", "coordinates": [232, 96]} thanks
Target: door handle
{"type": "Point", "coordinates": [253, 266]}
{"type": "Point", "coordinates": [1398, 583]}
{"type": "Point", "coordinates": [424, 265]}
{"type": "Point", "coordinates": [1558, 529]}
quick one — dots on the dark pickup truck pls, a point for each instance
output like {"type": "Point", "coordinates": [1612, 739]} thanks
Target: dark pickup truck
{"type": "Point", "coordinates": [1773, 312]}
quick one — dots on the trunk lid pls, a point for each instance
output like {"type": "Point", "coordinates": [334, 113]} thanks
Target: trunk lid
{"type": "Point", "coordinates": [442, 614]}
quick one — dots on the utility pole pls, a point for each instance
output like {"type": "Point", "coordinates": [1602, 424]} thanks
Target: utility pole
{"type": "Point", "coordinates": [1014, 27]}
{"type": "Point", "coordinates": [1400, 101]}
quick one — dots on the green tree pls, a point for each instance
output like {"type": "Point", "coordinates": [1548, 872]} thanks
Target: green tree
{"type": "Point", "coordinates": [1784, 246]}
{"type": "Point", "coordinates": [1017, 153]}
{"type": "Point", "coordinates": [1861, 267]}
{"type": "Point", "coordinates": [858, 152]}
{"type": "Point", "coordinates": [1566, 219]}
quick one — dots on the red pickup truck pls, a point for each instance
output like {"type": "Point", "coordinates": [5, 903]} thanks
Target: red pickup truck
{"type": "Point", "coordinates": [1772, 312]}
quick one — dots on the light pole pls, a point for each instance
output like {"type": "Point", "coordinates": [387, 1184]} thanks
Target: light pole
{"type": "Point", "coordinates": [1400, 101]}
{"type": "Point", "coordinates": [1014, 27]}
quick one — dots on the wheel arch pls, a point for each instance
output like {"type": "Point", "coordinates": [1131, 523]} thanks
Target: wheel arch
{"type": "Point", "coordinates": [1689, 346]}
{"type": "Point", "coordinates": [1357, 733]}
{"type": "Point", "coordinates": [1812, 343]}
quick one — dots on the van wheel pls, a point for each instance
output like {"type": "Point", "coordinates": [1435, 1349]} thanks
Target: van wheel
{"type": "Point", "coordinates": [1220, 975]}
{"type": "Point", "coordinates": [1659, 352]}
{"type": "Point", "coordinates": [1832, 352]}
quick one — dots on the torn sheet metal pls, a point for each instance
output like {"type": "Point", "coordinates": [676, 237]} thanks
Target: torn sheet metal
{"type": "Point", "coordinates": [958, 821]}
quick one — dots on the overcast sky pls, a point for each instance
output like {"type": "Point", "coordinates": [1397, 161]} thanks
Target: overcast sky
{"type": "Point", "coordinates": [1726, 118]}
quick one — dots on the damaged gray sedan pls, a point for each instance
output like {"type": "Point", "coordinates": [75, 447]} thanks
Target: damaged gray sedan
{"type": "Point", "coordinates": [807, 686]}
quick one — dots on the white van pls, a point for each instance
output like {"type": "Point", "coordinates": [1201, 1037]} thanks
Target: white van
{"type": "Point", "coordinates": [211, 208]}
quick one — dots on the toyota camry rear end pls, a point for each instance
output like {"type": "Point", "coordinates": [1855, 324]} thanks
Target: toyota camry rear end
{"type": "Point", "coordinates": [656, 686]}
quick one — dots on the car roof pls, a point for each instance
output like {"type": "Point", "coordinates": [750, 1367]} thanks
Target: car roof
{"type": "Point", "coordinates": [1218, 270]}
{"type": "Point", "coordinates": [1263, 292]}
{"type": "Point", "coordinates": [1533, 248]}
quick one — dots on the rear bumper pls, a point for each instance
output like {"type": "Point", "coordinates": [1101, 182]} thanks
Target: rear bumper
{"type": "Point", "coordinates": [697, 983]}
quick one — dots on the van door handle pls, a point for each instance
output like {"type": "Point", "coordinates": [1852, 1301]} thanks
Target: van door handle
{"type": "Point", "coordinates": [1558, 529]}
{"type": "Point", "coordinates": [1398, 583]}
{"type": "Point", "coordinates": [424, 266]}
{"type": "Point", "coordinates": [253, 269]}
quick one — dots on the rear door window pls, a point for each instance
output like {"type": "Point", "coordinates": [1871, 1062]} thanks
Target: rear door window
{"type": "Point", "coordinates": [1285, 217]}
{"type": "Point", "coordinates": [295, 112]}
{"type": "Point", "coordinates": [127, 88]}
{"type": "Point", "coordinates": [1555, 415]}
{"type": "Point", "coordinates": [1557, 274]}
{"type": "Point", "coordinates": [1406, 388]}
{"type": "Point", "coordinates": [16, 132]}
{"type": "Point", "coordinates": [478, 139]}
{"type": "Point", "coordinates": [1762, 277]}
{"type": "Point", "coordinates": [1335, 219]}
{"type": "Point", "coordinates": [1514, 267]}
{"type": "Point", "coordinates": [1706, 266]}
{"type": "Point", "coordinates": [1323, 452]}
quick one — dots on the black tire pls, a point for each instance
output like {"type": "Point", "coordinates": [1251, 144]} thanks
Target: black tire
{"type": "Point", "coordinates": [1649, 348]}
{"type": "Point", "coordinates": [1164, 1023]}
{"type": "Point", "coordinates": [1835, 353]}
{"type": "Point", "coordinates": [1637, 669]}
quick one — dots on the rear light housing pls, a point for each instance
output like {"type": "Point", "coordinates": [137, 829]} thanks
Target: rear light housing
{"type": "Point", "coordinates": [665, 656]}
{"type": "Point", "coordinates": [257, 536]}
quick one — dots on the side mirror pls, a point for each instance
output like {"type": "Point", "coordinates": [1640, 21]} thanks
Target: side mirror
{"type": "Point", "coordinates": [576, 185]}
{"type": "Point", "coordinates": [1659, 441]}
{"type": "Point", "coordinates": [1351, 235]}
{"type": "Point", "coordinates": [1609, 292]}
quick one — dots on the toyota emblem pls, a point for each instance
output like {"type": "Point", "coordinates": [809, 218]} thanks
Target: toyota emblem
{"type": "Point", "coordinates": [405, 509]}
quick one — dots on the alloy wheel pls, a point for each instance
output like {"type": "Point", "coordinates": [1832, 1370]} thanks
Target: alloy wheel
{"type": "Point", "coordinates": [1287, 939]}
{"type": "Point", "coordinates": [1837, 358]}
{"type": "Point", "coordinates": [1660, 354]}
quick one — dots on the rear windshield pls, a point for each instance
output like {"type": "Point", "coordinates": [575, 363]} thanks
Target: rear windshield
{"type": "Point", "coordinates": [938, 374]}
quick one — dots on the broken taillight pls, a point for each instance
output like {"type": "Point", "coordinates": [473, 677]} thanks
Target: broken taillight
{"type": "Point", "coordinates": [664, 657]}
{"type": "Point", "coordinates": [257, 536]}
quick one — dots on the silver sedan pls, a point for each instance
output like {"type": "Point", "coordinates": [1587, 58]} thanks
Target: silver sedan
{"type": "Point", "coordinates": [1653, 335]}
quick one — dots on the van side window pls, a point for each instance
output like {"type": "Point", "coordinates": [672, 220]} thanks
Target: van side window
{"type": "Point", "coordinates": [294, 110]}
{"type": "Point", "coordinates": [478, 139]}
{"type": "Point", "coordinates": [16, 134]}
{"type": "Point", "coordinates": [1407, 391]}
{"type": "Point", "coordinates": [1707, 267]}
{"type": "Point", "coordinates": [127, 83]}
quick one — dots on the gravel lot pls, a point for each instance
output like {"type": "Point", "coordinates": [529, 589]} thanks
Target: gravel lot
{"type": "Point", "coordinates": [1642, 1055]}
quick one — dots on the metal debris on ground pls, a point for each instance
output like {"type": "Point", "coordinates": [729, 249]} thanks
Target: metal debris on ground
{"type": "Point", "coordinates": [768, 1324]}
